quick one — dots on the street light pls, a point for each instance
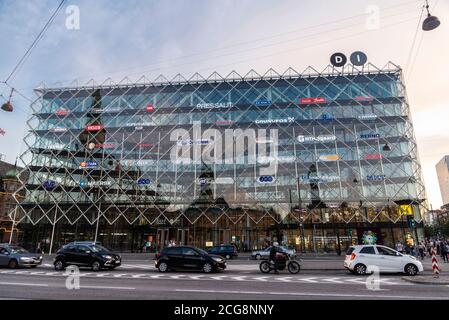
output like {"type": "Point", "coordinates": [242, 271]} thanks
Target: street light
{"type": "Point", "coordinates": [431, 22]}
{"type": "Point", "coordinates": [7, 106]}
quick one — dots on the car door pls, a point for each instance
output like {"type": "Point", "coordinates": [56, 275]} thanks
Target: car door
{"type": "Point", "coordinates": [70, 254]}
{"type": "Point", "coordinates": [192, 259]}
{"type": "Point", "coordinates": [174, 257]}
{"type": "Point", "coordinates": [84, 255]}
{"type": "Point", "coordinates": [391, 261]}
{"type": "Point", "coordinates": [368, 256]}
{"type": "Point", "coordinates": [4, 257]}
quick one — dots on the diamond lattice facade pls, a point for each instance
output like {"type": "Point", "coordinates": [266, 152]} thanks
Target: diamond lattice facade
{"type": "Point", "coordinates": [310, 159]}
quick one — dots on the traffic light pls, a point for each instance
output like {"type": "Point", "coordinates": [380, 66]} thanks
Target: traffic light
{"type": "Point", "coordinates": [411, 221]}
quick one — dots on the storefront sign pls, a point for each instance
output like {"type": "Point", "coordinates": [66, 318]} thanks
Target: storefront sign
{"type": "Point", "coordinates": [193, 142]}
{"type": "Point", "coordinates": [266, 180]}
{"type": "Point", "coordinates": [49, 185]}
{"type": "Point", "coordinates": [322, 138]}
{"type": "Point", "coordinates": [370, 136]}
{"type": "Point", "coordinates": [101, 145]}
{"type": "Point", "coordinates": [62, 112]}
{"type": "Point", "coordinates": [59, 130]}
{"type": "Point", "coordinates": [224, 123]}
{"type": "Point", "coordinates": [367, 117]}
{"type": "Point", "coordinates": [150, 108]}
{"type": "Point", "coordinates": [92, 184]}
{"type": "Point", "coordinates": [326, 118]}
{"type": "Point", "coordinates": [364, 99]}
{"type": "Point", "coordinates": [320, 179]}
{"type": "Point", "coordinates": [143, 182]}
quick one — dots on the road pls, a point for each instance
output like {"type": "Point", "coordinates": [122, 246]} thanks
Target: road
{"type": "Point", "coordinates": [242, 281]}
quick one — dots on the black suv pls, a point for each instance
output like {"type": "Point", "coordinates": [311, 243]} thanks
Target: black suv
{"type": "Point", "coordinates": [188, 258]}
{"type": "Point", "coordinates": [86, 254]}
{"type": "Point", "coordinates": [226, 251]}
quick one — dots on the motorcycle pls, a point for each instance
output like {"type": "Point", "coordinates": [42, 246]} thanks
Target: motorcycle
{"type": "Point", "coordinates": [286, 261]}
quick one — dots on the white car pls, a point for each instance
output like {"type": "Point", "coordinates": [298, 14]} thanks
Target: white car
{"type": "Point", "coordinates": [361, 260]}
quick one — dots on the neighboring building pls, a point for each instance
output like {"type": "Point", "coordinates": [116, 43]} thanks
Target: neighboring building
{"type": "Point", "coordinates": [9, 184]}
{"type": "Point", "coordinates": [304, 159]}
{"type": "Point", "coordinates": [443, 178]}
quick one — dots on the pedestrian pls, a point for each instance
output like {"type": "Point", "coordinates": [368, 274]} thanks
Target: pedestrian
{"type": "Point", "coordinates": [443, 251]}
{"type": "Point", "coordinates": [421, 249]}
{"type": "Point", "coordinates": [399, 247]}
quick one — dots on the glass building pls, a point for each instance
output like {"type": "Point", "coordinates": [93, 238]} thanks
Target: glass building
{"type": "Point", "coordinates": [317, 161]}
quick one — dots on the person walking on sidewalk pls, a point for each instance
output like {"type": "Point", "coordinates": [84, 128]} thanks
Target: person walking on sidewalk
{"type": "Point", "coordinates": [443, 250]}
{"type": "Point", "coordinates": [421, 250]}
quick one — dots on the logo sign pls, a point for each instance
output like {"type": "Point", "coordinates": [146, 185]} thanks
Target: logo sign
{"type": "Point", "coordinates": [326, 117]}
{"type": "Point", "coordinates": [339, 60]}
{"type": "Point", "coordinates": [368, 117]}
{"type": "Point", "coordinates": [264, 103]}
{"type": "Point", "coordinates": [376, 178]}
{"type": "Point", "coordinates": [62, 112]}
{"type": "Point", "coordinates": [320, 179]}
{"type": "Point", "coordinates": [363, 99]}
{"type": "Point", "coordinates": [94, 128]}
{"type": "Point", "coordinates": [214, 105]}
{"type": "Point", "coordinates": [193, 142]}
{"type": "Point", "coordinates": [370, 136]}
{"type": "Point", "coordinates": [266, 179]}
{"type": "Point", "coordinates": [143, 182]}
{"type": "Point", "coordinates": [59, 130]}
{"type": "Point", "coordinates": [312, 100]}
{"type": "Point", "coordinates": [92, 145]}
{"type": "Point", "coordinates": [224, 181]}
{"type": "Point", "coordinates": [145, 145]}
{"type": "Point", "coordinates": [88, 165]}
{"type": "Point", "coordinates": [272, 121]}
{"type": "Point", "coordinates": [333, 157]}
{"type": "Point", "coordinates": [224, 123]}
{"type": "Point", "coordinates": [373, 156]}
{"type": "Point", "coordinates": [322, 138]}
{"type": "Point", "coordinates": [150, 108]}
{"type": "Point", "coordinates": [50, 185]}
{"type": "Point", "coordinates": [85, 184]}
{"type": "Point", "coordinates": [359, 58]}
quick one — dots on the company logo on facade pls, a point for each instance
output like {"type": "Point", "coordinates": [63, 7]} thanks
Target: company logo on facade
{"type": "Point", "coordinates": [92, 145]}
{"type": "Point", "coordinates": [215, 105]}
{"type": "Point", "coordinates": [376, 178]}
{"type": "Point", "coordinates": [326, 117]}
{"type": "Point", "coordinates": [62, 112]}
{"type": "Point", "coordinates": [367, 117]}
{"type": "Point", "coordinates": [312, 100]}
{"type": "Point", "coordinates": [322, 138]}
{"type": "Point", "coordinates": [280, 159]}
{"type": "Point", "coordinates": [319, 179]}
{"type": "Point", "coordinates": [49, 185]}
{"type": "Point", "coordinates": [271, 121]}
{"type": "Point", "coordinates": [143, 182]}
{"type": "Point", "coordinates": [266, 180]}
{"type": "Point", "coordinates": [358, 59]}
{"type": "Point", "coordinates": [370, 136]}
{"type": "Point", "coordinates": [191, 142]}
{"type": "Point", "coordinates": [373, 157]}
{"type": "Point", "coordinates": [224, 123]}
{"type": "Point", "coordinates": [329, 158]}
{"type": "Point", "coordinates": [93, 184]}
{"type": "Point", "coordinates": [88, 165]}
{"type": "Point", "coordinates": [263, 103]}
{"type": "Point", "coordinates": [59, 130]}
{"type": "Point", "coordinates": [150, 108]}
{"type": "Point", "coordinates": [94, 128]}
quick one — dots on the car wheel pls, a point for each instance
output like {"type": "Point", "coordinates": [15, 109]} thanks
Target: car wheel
{"type": "Point", "coordinates": [207, 267]}
{"type": "Point", "coordinates": [96, 266]}
{"type": "Point", "coordinates": [411, 270]}
{"type": "Point", "coordinates": [360, 269]}
{"type": "Point", "coordinates": [13, 264]}
{"type": "Point", "coordinates": [163, 267]}
{"type": "Point", "coordinates": [59, 265]}
{"type": "Point", "coordinates": [258, 257]}
{"type": "Point", "coordinates": [228, 257]}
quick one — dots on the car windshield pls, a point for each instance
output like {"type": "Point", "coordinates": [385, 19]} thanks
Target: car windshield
{"type": "Point", "coordinates": [17, 250]}
{"type": "Point", "coordinates": [97, 248]}
{"type": "Point", "coordinates": [201, 251]}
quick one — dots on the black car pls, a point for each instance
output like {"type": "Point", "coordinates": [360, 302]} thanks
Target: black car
{"type": "Point", "coordinates": [85, 254]}
{"type": "Point", "coordinates": [188, 258]}
{"type": "Point", "coordinates": [226, 251]}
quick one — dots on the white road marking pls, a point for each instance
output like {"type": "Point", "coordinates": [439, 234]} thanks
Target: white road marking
{"type": "Point", "coordinates": [261, 279]}
{"type": "Point", "coordinates": [333, 280]}
{"type": "Point", "coordinates": [120, 275]}
{"type": "Point", "coordinates": [23, 284]}
{"type": "Point", "coordinates": [177, 276]}
{"type": "Point", "coordinates": [108, 288]}
{"type": "Point", "coordinates": [309, 280]}
{"type": "Point", "coordinates": [101, 275]}
{"type": "Point", "coordinates": [219, 277]}
{"type": "Point", "coordinates": [196, 277]}
{"type": "Point", "coordinates": [137, 276]}
{"type": "Point", "coordinates": [309, 294]}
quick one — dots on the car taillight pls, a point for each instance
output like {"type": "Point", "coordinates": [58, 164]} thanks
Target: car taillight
{"type": "Point", "coordinates": [353, 256]}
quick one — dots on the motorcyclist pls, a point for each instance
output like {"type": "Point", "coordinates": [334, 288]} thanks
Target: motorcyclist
{"type": "Point", "coordinates": [273, 259]}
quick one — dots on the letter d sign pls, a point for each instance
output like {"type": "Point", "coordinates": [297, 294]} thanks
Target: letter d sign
{"type": "Point", "coordinates": [338, 60]}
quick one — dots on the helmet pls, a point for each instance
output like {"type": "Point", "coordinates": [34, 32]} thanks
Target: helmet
{"type": "Point", "coordinates": [276, 244]}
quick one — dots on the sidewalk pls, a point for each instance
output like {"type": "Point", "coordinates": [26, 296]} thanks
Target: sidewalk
{"type": "Point", "coordinates": [428, 276]}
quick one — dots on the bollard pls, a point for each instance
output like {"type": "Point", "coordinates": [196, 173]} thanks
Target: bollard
{"type": "Point", "coordinates": [435, 267]}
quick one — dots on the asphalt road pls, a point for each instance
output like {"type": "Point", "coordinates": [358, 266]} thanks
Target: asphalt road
{"type": "Point", "coordinates": [242, 281]}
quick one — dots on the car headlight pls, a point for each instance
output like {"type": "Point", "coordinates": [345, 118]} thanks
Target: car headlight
{"type": "Point", "coordinates": [107, 257]}
{"type": "Point", "coordinates": [40, 258]}
{"type": "Point", "coordinates": [217, 259]}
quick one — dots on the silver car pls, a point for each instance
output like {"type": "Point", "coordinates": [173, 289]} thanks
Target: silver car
{"type": "Point", "coordinates": [14, 257]}
{"type": "Point", "coordinates": [265, 253]}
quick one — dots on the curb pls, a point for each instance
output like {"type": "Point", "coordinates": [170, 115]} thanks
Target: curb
{"type": "Point", "coordinates": [423, 281]}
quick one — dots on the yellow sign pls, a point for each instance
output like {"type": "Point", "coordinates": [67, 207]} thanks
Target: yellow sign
{"type": "Point", "coordinates": [209, 244]}
{"type": "Point", "coordinates": [405, 210]}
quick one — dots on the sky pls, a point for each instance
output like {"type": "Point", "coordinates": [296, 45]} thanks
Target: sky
{"type": "Point", "coordinates": [138, 38]}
